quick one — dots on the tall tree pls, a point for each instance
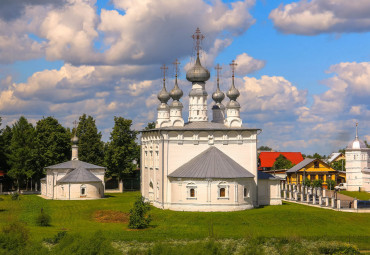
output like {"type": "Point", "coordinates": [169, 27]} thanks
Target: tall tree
{"type": "Point", "coordinates": [264, 148]}
{"type": "Point", "coordinates": [5, 140]}
{"type": "Point", "coordinates": [90, 145]}
{"type": "Point", "coordinates": [282, 162]}
{"type": "Point", "coordinates": [52, 142]}
{"type": "Point", "coordinates": [121, 149]}
{"type": "Point", "coordinates": [22, 152]}
{"type": "Point", "coordinates": [151, 125]}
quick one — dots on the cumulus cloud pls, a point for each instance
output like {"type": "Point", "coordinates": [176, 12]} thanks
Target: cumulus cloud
{"type": "Point", "coordinates": [322, 16]}
{"type": "Point", "coordinates": [247, 64]}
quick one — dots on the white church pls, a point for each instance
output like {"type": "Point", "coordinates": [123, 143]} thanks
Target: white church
{"type": "Point", "coordinates": [74, 179]}
{"type": "Point", "coordinates": [203, 165]}
{"type": "Point", "coordinates": [357, 165]}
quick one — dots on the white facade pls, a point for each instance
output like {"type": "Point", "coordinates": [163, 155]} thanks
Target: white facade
{"type": "Point", "coordinates": [169, 149]}
{"type": "Point", "coordinates": [357, 166]}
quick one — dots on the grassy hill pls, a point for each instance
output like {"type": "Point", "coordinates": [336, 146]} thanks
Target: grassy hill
{"type": "Point", "coordinates": [286, 221]}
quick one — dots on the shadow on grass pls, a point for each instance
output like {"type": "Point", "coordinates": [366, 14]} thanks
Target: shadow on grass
{"type": "Point", "coordinates": [108, 196]}
{"type": "Point", "coordinates": [3, 210]}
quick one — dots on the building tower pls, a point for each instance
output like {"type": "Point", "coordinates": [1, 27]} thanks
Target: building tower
{"type": "Point", "coordinates": [163, 117]}
{"type": "Point", "coordinates": [357, 156]}
{"type": "Point", "coordinates": [233, 107]}
{"type": "Point", "coordinates": [218, 108]}
{"type": "Point", "coordinates": [74, 141]}
{"type": "Point", "coordinates": [198, 75]}
{"type": "Point", "coordinates": [176, 106]}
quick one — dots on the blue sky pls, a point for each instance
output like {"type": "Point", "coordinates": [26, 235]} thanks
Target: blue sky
{"type": "Point", "coordinates": [303, 66]}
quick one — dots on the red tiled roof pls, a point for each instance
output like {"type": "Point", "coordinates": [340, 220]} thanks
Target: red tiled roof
{"type": "Point", "coordinates": [268, 158]}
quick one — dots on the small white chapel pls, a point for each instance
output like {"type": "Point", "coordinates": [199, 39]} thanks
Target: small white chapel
{"type": "Point", "coordinates": [202, 164]}
{"type": "Point", "coordinates": [74, 179]}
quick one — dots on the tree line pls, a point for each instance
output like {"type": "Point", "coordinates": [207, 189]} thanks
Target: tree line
{"type": "Point", "coordinates": [26, 149]}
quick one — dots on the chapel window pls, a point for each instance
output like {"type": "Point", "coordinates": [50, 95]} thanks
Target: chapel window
{"type": "Point", "coordinates": [222, 192]}
{"type": "Point", "coordinates": [245, 192]}
{"type": "Point", "coordinates": [83, 190]}
{"type": "Point", "coordinates": [191, 190]}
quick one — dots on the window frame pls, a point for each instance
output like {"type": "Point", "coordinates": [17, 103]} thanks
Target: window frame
{"type": "Point", "coordinates": [223, 185]}
{"type": "Point", "coordinates": [189, 187]}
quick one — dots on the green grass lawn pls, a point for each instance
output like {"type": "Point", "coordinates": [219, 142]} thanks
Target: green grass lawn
{"type": "Point", "coordinates": [358, 195]}
{"type": "Point", "coordinates": [288, 220]}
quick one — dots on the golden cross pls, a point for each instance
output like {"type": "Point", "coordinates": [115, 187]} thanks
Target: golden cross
{"type": "Point", "coordinates": [198, 37]}
{"type": "Point", "coordinates": [218, 69]}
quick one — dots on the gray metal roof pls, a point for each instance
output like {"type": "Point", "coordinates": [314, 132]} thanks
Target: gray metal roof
{"type": "Point", "coordinates": [267, 176]}
{"type": "Point", "coordinates": [333, 156]}
{"type": "Point", "coordinates": [72, 164]}
{"type": "Point", "coordinates": [211, 163]}
{"type": "Point", "coordinates": [204, 125]}
{"type": "Point", "coordinates": [79, 175]}
{"type": "Point", "coordinates": [300, 165]}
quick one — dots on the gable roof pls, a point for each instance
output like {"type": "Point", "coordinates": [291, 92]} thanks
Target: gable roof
{"type": "Point", "coordinates": [79, 175]}
{"type": "Point", "coordinates": [334, 156]}
{"type": "Point", "coordinates": [72, 164]}
{"type": "Point", "coordinates": [211, 163]}
{"type": "Point", "coordinates": [268, 158]}
{"type": "Point", "coordinates": [300, 165]}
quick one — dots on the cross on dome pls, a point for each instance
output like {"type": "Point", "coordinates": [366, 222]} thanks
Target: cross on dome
{"type": "Point", "coordinates": [164, 68]}
{"type": "Point", "coordinates": [198, 37]}
{"type": "Point", "coordinates": [233, 66]}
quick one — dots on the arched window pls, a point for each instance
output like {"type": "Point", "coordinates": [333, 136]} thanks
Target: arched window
{"type": "Point", "coordinates": [83, 191]}
{"type": "Point", "coordinates": [246, 191]}
{"type": "Point", "coordinates": [191, 190]}
{"type": "Point", "coordinates": [223, 190]}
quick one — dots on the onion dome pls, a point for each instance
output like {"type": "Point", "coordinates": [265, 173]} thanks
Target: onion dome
{"type": "Point", "coordinates": [176, 93]}
{"type": "Point", "coordinates": [233, 92]}
{"type": "Point", "coordinates": [74, 140]}
{"type": "Point", "coordinates": [356, 143]}
{"type": "Point", "coordinates": [163, 95]}
{"type": "Point", "coordinates": [218, 96]}
{"type": "Point", "coordinates": [197, 73]}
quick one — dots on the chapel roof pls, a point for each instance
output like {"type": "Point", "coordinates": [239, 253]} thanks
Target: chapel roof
{"type": "Point", "coordinates": [79, 175]}
{"type": "Point", "coordinates": [72, 164]}
{"type": "Point", "coordinates": [211, 163]}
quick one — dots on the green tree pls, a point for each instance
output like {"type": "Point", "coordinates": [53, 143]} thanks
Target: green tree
{"type": "Point", "coordinates": [22, 152]}
{"type": "Point", "coordinates": [264, 148]}
{"type": "Point", "coordinates": [151, 125]}
{"type": "Point", "coordinates": [5, 140]}
{"type": "Point", "coordinates": [90, 145]}
{"type": "Point", "coordinates": [282, 162]}
{"type": "Point", "coordinates": [339, 165]}
{"type": "Point", "coordinates": [121, 149]}
{"type": "Point", "coordinates": [52, 143]}
{"type": "Point", "coordinates": [138, 214]}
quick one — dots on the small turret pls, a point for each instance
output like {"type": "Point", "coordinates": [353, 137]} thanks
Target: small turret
{"type": "Point", "coordinates": [218, 108]}
{"type": "Point", "coordinates": [74, 141]}
{"type": "Point", "coordinates": [163, 117]}
{"type": "Point", "coordinates": [176, 106]}
{"type": "Point", "coordinates": [233, 107]}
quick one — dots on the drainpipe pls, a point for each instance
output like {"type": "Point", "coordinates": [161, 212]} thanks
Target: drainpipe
{"type": "Point", "coordinates": [69, 192]}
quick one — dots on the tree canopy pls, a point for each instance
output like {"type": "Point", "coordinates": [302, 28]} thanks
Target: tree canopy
{"type": "Point", "coordinates": [150, 125]}
{"type": "Point", "coordinates": [90, 145]}
{"type": "Point", "coordinates": [282, 162]}
{"type": "Point", "coordinates": [121, 149]}
{"type": "Point", "coordinates": [52, 143]}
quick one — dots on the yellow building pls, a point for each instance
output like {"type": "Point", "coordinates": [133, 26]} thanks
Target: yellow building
{"type": "Point", "coordinates": [313, 169]}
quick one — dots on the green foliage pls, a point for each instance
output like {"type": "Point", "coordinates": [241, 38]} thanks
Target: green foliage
{"type": "Point", "coordinates": [52, 143]}
{"type": "Point", "coordinates": [22, 151]}
{"type": "Point", "coordinates": [264, 148]}
{"type": "Point", "coordinates": [90, 145]}
{"type": "Point", "coordinates": [138, 214]}
{"type": "Point", "coordinates": [43, 219]}
{"type": "Point", "coordinates": [307, 182]}
{"type": "Point", "coordinates": [331, 184]}
{"type": "Point", "coordinates": [15, 196]}
{"type": "Point", "coordinates": [5, 140]}
{"type": "Point", "coordinates": [79, 245]}
{"type": "Point", "coordinates": [317, 183]}
{"type": "Point", "coordinates": [282, 162]}
{"type": "Point", "coordinates": [339, 165]}
{"type": "Point", "coordinates": [121, 149]}
{"type": "Point", "coordinates": [56, 239]}
{"type": "Point", "coordinates": [151, 125]}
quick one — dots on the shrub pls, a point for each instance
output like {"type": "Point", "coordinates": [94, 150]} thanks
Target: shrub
{"type": "Point", "coordinates": [307, 182]}
{"type": "Point", "coordinates": [317, 183]}
{"type": "Point", "coordinates": [331, 184]}
{"type": "Point", "coordinates": [43, 219]}
{"type": "Point", "coordinates": [15, 196]}
{"type": "Point", "coordinates": [56, 239]}
{"type": "Point", "coordinates": [138, 217]}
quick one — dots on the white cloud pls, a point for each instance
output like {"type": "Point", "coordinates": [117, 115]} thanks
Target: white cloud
{"type": "Point", "coordinates": [322, 16]}
{"type": "Point", "coordinates": [247, 64]}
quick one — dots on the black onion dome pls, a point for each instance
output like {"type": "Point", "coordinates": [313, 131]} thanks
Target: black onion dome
{"type": "Point", "coordinates": [197, 73]}
{"type": "Point", "coordinates": [163, 95]}
{"type": "Point", "coordinates": [176, 93]}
